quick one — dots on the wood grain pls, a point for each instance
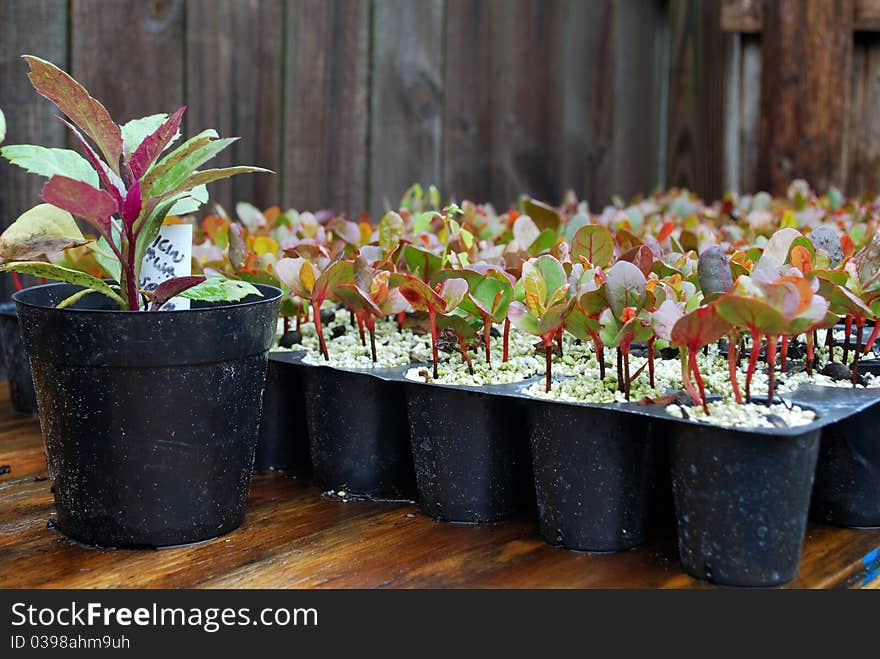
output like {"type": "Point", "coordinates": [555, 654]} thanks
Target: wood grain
{"type": "Point", "coordinates": [234, 84]}
{"type": "Point", "coordinates": [696, 98]}
{"type": "Point", "coordinates": [748, 15]}
{"type": "Point", "coordinates": [406, 114]}
{"type": "Point", "coordinates": [37, 27]}
{"type": "Point", "coordinates": [326, 104]}
{"type": "Point", "coordinates": [293, 537]}
{"type": "Point", "coordinates": [863, 153]}
{"type": "Point", "coordinates": [803, 135]}
{"type": "Point", "coordinates": [129, 54]}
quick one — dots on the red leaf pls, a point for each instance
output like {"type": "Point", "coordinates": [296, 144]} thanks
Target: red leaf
{"type": "Point", "coordinates": [80, 199]}
{"type": "Point", "coordinates": [148, 150]}
{"type": "Point", "coordinates": [109, 179]}
{"type": "Point", "coordinates": [700, 327]}
{"type": "Point", "coordinates": [174, 286]}
{"type": "Point", "coordinates": [131, 207]}
{"type": "Point", "coordinates": [74, 101]}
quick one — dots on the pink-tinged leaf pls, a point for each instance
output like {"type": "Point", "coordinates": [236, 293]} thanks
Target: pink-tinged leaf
{"type": "Point", "coordinates": [625, 287]}
{"type": "Point", "coordinates": [522, 318]}
{"type": "Point", "coordinates": [665, 318]}
{"type": "Point", "coordinates": [175, 286]}
{"type": "Point", "coordinates": [153, 145]}
{"type": "Point", "coordinates": [335, 275]}
{"type": "Point", "coordinates": [357, 299]}
{"type": "Point", "coordinates": [109, 179]}
{"type": "Point", "coordinates": [751, 314]}
{"type": "Point", "coordinates": [702, 326]}
{"type": "Point", "coordinates": [73, 100]}
{"type": "Point", "coordinates": [642, 257]}
{"type": "Point", "coordinates": [453, 291]}
{"type": "Point", "coordinates": [421, 296]}
{"type": "Point", "coordinates": [237, 246]}
{"type": "Point", "coordinates": [81, 199]}
{"type": "Point", "coordinates": [131, 207]}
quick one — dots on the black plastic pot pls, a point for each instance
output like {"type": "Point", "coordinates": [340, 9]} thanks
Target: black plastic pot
{"type": "Point", "coordinates": [471, 453]}
{"type": "Point", "coordinates": [741, 501]}
{"type": "Point", "coordinates": [358, 434]}
{"type": "Point", "coordinates": [283, 440]}
{"type": "Point", "coordinates": [847, 489]}
{"type": "Point", "coordinates": [149, 418]}
{"type": "Point", "coordinates": [18, 368]}
{"type": "Point", "coordinates": [595, 476]}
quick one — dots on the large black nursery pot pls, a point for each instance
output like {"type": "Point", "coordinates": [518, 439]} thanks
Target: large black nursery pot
{"type": "Point", "coordinates": [18, 368]}
{"type": "Point", "coordinates": [470, 451]}
{"type": "Point", "coordinates": [741, 501]}
{"type": "Point", "coordinates": [283, 440]}
{"type": "Point", "coordinates": [847, 489]}
{"type": "Point", "coordinates": [149, 418]}
{"type": "Point", "coordinates": [358, 434]}
{"type": "Point", "coordinates": [595, 475]}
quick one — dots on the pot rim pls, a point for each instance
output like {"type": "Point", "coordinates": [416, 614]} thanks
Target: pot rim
{"type": "Point", "coordinates": [275, 294]}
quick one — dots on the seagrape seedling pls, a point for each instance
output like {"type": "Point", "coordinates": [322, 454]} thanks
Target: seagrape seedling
{"type": "Point", "coordinates": [124, 187]}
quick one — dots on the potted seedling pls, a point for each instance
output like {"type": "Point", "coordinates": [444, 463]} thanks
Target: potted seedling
{"type": "Point", "coordinates": [149, 418]}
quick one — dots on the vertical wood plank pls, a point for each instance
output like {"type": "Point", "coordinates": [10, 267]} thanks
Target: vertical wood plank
{"type": "Point", "coordinates": [326, 104]}
{"type": "Point", "coordinates": [695, 150]}
{"type": "Point", "coordinates": [129, 54]}
{"type": "Point", "coordinates": [806, 45]}
{"type": "Point", "coordinates": [37, 27]}
{"type": "Point", "coordinates": [864, 133]}
{"type": "Point", "coordinates": [749, 112]}
{"type": "Point", "coordinates": [406, 115]}
{"type": "Point", "coordinates": [586, 143]}
{"type": "Point", "coordinates": [468, 100]}
{"type": "Point", "coordinates": [637, 93]}
{"type": "Point", "coordinates": [234, 84]}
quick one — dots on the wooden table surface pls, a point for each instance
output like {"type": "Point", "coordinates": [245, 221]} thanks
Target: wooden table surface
{"type": "Point", "coordinates": [293, 537]}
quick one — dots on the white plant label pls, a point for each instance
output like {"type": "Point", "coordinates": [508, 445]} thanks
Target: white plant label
{"type": "Point", "coordinates": [169, 255]}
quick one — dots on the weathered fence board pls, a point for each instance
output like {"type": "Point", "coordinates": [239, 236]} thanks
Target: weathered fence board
{"type": "Point", "coordinates": [326, 104]}
{"type": "Point", "coordinates": [803, 134]}
{"type": "Point", "coordinates": [36, 27]}
{"type": "Point", "coordinates": [129, 54]}
{"type": "Point", "coordinates": [234, 83]}
{"type": "Point", "coordinates": [406, 113]}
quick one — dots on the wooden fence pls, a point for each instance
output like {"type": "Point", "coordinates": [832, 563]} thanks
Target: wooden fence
{"type": "Point", "coordinates": [352, 100]}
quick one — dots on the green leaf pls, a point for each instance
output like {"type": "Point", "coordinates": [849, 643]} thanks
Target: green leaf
{"type": "Point", "coordinates": [522, 319]}
{"type": "Point", "coordinates": [543, 215]}
{"type": "Point", "coordinates": [220, 289]}
{"type": "Point", "coordinates": [390, 232]}
{"type": "Point", "coordinates": [60, 273]}
{"type": "Point", "coordinates": [545, 240]}
{"type": "Point", "coordinates": [49, 162]}
{"type": "Point", "coordinates": [190, 202]}
{"type": "Point", "coordinates": [422, 262]}
{"type": "Point", "coordinates": [43, 229]}
{"type": "Point", "coordinates": [134, 132]}
{"type": "Point", "coordinates": [625, 287]}
{"type": "Point", "coordinates": [467, 238]}
{"type": "Point", "coordinates": [751, 314]}
{"type": "Point", "coordinates": [179, 154]}
{"type": "Point", "coordinates": [593, 242]}
{"type": "Point", "coordinates": [576, 222]}
{"type": "Point", "coordinates": [106, 258]}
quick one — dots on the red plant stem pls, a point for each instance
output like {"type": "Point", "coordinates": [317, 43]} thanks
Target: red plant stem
{"type": "Point", "coordinates": [370, 322]}
{"type": "Point", "coordinates": [433, 317]}
{"type": "Point", "coordinates": [401, 316]}
{"type": "Point", "coordinates": [651, 361]}
{"type": "Point", "coordinates": [465, 357]}
{"type": "Point", "coordinates": [872, 337]}
{"type": "Point", "coordinates": [829, 343]}
{"type": "Point", "coordinates": [600, 354]}
{"type": "Point", "coordinates": [43, 280]}
{"type": "Point", "coordinates": [732, 361]}
{"type": "Point", "coordinates": [753, 362]}
{"type": "Point", "coordinates": [17, 281]}
{"type": "Point", "coordinates": [359, 316]}
{"type": "Point", "coordinates": [686, 376]}
{"type": "Point", "coordinates": [298, 322]}
{"type": "Point", "coordinates": [860, 325]}
{"type": "Point", "coordinates": [771, 366]}
{"type": "Point", "coordinates": [559, 340]}
{"type": "Point", "coordinates": [506, 353]}
{"type": "Point", "coordinates": [692, 357]}
{"type": "Point", "coordinates": [811, 337]}
{"type": "Point", "coordinates": [351, 318]}
{"type": "Point", "coordinates": [619, 370]}
{"type": "Point", "coordinates": [548, 357]}
{"type": "Point", "coordinates": [316, 312]}
{"type": "Point", "coordinates": [783, 353]}
{"type": "Point", "coordinates": [847, 324]}
{"type": "Point", "coordinates": [626, 373]}
{"type": "Point", "coordinates": [286, 324]}
{"type": "Point", "coordinates": [487, 337]}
